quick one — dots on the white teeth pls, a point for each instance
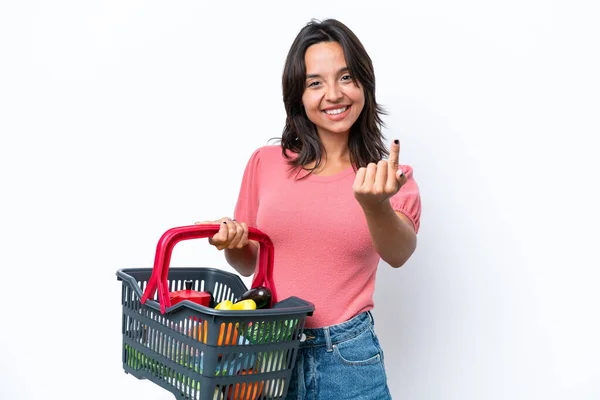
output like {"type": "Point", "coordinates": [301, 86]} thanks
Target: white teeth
{"type": "Point", "coordinates": [336, 111]}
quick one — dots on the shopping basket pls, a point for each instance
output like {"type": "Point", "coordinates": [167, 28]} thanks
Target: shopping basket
{"type": "Point", "coordinates": [198, 352]}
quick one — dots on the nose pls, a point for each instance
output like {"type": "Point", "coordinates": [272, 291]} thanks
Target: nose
{"type": "Point", "coordinates": [333, 93]}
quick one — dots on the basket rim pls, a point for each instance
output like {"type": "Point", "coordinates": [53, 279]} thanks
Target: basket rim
{"type": "Point", "coordinates": [301, 307]}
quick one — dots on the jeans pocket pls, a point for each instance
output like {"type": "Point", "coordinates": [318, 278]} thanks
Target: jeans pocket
{"type": "Point", "coordinates": [363, 349]}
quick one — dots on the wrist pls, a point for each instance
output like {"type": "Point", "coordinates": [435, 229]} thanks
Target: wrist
{"type": "Point", "coordinates": [385, 207]}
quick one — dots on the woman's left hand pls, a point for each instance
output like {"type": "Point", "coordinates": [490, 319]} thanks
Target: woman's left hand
{"type": "Point", "coordinates": [376, 183]}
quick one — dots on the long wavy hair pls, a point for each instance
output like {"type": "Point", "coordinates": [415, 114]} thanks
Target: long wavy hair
{"type": "Point", "coordinates": [300, 135]}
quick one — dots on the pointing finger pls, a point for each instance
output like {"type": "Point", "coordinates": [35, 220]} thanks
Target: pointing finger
{"type": "Point", "coordinates": [394, 157]}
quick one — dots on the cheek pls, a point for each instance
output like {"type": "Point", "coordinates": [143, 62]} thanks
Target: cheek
{"type": "Point", "coordinates": [359, 96]}
{"type": "Point", "coordinates": [310, 101]}
{"type": "Point", "coordinates": [311, 106]}
{"type": "Point", "coordinates": [359, 101]}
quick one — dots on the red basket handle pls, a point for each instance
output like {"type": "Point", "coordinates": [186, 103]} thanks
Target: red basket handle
{"type": "Point", "coordinates": [263, 275]}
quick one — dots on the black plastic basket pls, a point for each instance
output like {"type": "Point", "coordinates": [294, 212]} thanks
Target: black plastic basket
{"type": "Point", "coordinates": [198, 352]}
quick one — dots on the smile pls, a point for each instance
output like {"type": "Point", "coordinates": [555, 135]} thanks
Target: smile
{"type": "Point", "coordinates": [335, 111]}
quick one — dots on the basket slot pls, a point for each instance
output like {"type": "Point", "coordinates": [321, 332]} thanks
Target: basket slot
{"type": "Point", "coordinates": [274, 388]}
{"type": "Point", "coordinates": [251, 387]}
{"type": "Point", "coordinates": [197, 284]}
{"type": "Point", "coordinates": [239, 363]}
{"type": "Point", "coordinates": [226, 364]}
{"type": "Point", "coordinates": [271, 331]}
{"type": "Point", "coordinates": [163, 342]}
{"type": "Point", "coordinates": [196, 330]}
{"type": "Point", "coordinates": [273, 361]}
{"type": "Point", "coordinates": [137, 357]}
{"type": "Point", "coordinates": [222, 292]}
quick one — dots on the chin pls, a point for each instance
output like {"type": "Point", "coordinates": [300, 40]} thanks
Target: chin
{"type": "Point", "coordinates": [340, 130]}
{"type": "Point", "coordinates": [335, 128]}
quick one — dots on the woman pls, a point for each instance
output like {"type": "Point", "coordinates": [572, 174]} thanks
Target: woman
{"type": "Point", "coordinates": [333, 208]}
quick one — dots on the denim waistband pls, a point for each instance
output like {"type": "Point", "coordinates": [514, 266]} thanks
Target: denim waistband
{"type": "Point", "coordinates": [330, 335]}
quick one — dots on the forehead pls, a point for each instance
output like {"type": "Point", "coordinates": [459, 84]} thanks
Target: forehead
{"type": "Point", "coordinates": [324, 56]}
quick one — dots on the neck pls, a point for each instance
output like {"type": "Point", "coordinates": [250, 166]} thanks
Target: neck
{"type": "Point", "coordinates": [337, 154]}
{"type": "Point", "coordinates": [336, 147]}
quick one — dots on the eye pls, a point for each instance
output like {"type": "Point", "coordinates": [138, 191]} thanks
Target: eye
{"type": "Point", "coordinates": [314, 84]}
{"type": "Point", "coordinates": [347, 77]}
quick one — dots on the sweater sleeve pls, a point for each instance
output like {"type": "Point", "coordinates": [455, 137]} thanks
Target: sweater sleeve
{"type": "Point", "coordinates": [408, 199]}
{"type": "Point", "coordinates": [246, 207]}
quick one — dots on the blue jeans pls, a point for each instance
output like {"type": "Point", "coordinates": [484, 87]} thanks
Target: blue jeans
{"type": "Point", "coordinates": [342, 361]}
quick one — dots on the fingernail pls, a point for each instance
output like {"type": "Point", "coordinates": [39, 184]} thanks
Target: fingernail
{"type": "Point", "coordinates": [396, 141]}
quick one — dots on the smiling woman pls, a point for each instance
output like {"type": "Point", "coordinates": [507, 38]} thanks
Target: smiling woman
{"type": "Point", "coordinates": [326, 70]}
{"type": "Point", "coordinates": [333, 207]}
{"type": "Point", "coordinates": [332, 100]}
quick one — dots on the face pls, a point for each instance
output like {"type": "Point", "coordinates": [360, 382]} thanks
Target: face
{"type": "Point", "coordinates": [332, 100]}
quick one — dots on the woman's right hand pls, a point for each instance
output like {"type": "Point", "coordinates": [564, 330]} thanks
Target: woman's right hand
{"type": "Point", "coordinates": [231, 235]}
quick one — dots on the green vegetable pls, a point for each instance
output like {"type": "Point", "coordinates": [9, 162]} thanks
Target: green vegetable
{"type": "Point", "coordinates": [138, 360]}
{"type": "Point", "coordinates": [269, 332]}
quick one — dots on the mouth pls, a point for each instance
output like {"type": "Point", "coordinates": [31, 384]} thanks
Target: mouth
{"type": "Point", "coordinates": [336, 111]}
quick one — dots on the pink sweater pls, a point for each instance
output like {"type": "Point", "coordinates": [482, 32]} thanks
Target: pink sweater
{"type": "Point", "coordinates": [323, 250]}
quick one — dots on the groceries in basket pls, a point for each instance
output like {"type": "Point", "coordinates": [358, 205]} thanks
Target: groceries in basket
{"type": "Point", "coordinates": [214, 338]}
{"type": "Point", "coordinates": [204, 298]}
{"type": "Point", "coordinates": [261, 295]}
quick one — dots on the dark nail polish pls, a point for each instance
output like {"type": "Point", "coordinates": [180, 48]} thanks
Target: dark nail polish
{"type": "Point", "coordinates": [396, 141]}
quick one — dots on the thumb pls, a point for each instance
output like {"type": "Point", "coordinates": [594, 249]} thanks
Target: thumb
{"type": "Point", "coordinates": [220, 237]}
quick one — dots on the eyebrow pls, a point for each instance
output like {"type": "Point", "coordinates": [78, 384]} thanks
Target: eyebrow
{"type": "Point", "coordinates": [310, 76]}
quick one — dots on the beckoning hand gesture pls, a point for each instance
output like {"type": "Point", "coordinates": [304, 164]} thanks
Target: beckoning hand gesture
{"type": "Point", "coordinates": [376, 183]}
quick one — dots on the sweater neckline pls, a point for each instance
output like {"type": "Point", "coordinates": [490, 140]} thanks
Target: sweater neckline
{"type": "Point", "coordinates": [331, 178]}
{"type": "Point", "coordinates": [327, 178]}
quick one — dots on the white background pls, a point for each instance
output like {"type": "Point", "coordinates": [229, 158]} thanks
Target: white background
{"type": "Point", "coordinates": [121, 119]}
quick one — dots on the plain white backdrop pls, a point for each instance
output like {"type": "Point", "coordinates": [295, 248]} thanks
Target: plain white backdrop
{"type": "Point", "coordinates": [122, 119]}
